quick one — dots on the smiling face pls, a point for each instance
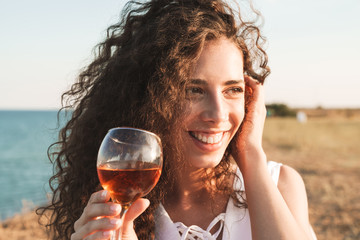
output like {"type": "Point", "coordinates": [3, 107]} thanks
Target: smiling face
{"type": "Point", "coordinates": [215, 103]}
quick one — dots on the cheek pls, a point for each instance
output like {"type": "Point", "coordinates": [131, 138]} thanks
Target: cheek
{"type": "Point", "coordinates": [238, 114]}
{"type": "Point", "coordinates": [187, 112]}
{"type": "Point", "coordinates": [239, 119]}
{"type": "Point", "coordinates": [191, 112]}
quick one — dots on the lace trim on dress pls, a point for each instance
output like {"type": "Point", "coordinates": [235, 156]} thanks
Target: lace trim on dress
{"type": "Point", "coordinates": [197, 233]}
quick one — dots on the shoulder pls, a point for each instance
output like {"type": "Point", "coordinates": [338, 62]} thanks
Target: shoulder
{"type": "Point", "coordinates": [289, 179]}
{"type": "Point", "coordinates": [292, 188]}
{"type": "Point", "coordinates": [291, 184]}
{"type": "Point", "coordinates": [286, 178]}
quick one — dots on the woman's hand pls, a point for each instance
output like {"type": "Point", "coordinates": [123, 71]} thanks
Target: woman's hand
{"type": "Point", "coordinates": [100, 218]}
{"type": "Point", "coordinates": [248, 140]}
{"type": "Point", "coordinates": [276, 213]}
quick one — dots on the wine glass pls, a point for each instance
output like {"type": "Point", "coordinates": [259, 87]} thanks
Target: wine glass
{"type": "Point", "coordinates": [129, 165]}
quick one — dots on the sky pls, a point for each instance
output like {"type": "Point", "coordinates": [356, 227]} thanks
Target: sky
{"type": "Point", "coordinates": [313, 48]}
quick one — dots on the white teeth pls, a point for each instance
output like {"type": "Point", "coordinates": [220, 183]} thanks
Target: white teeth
{"type": "Point", "coordinates": [217, 138]}
{"type": "Point", "coordinates": [214, 138]}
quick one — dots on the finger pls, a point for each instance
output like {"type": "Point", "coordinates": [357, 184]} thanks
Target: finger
{"type": "Point", "coordinates": [252, 83]}
{"type": "Point", "coordinates": [100, 235]}
{"type": "Point", "coordinates": [98, 210]}
{"type": "Point", "coordinates": [136, 208]}
{"type": "Point", "coordinates": [250, 80]}
{"type": "Point", "coordinates": [99, 197]}
{"type": "Point", "coordinates": [248, 96]}
{"type": "Point", "coordinates": [254, 89]}
{"type": "Point", "coordinates": [97, 207]}
{"type": "Point", "coordinates": [97, 227]}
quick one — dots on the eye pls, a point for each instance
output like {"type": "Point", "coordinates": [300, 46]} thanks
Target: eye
{"type": "Point", "coordinates": [194, 91]}
{"type": "Point", "coordinates": [234, 91]}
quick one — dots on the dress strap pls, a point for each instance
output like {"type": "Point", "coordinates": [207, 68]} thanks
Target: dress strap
{"type": "Point", "coordinates": [194, 232]}
{"type": "Point", "coordinates": [220, 218]}
{"type": "Point", "coordinates": [274, 169]}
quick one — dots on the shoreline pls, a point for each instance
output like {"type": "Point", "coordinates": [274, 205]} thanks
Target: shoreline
{"type": "Point", "coordinates": [27, 205]}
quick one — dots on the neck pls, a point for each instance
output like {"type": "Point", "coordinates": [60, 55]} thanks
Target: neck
{"type": "Point", "coordinates": [194, 199]}
{"type": "Point", "coordinates": [192, 187]}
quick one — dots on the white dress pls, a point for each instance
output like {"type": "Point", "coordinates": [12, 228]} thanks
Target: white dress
{"type": "Point", "coordinates": [235, 222]}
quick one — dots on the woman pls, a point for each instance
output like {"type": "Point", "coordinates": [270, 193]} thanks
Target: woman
{"type": "Point", "coordinates": [190, 71]}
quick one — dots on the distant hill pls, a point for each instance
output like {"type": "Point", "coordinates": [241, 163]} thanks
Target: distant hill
{"type": "Point", "coordinates": [282, 110]}
{"type": "Point", "coordinates": [331, 113]}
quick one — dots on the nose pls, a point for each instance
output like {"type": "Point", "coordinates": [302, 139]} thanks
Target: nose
{"type": "Point", "coordinates": [215, 109]}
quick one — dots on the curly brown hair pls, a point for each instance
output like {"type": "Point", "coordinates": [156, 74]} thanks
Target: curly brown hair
{"type": "Point", "coordinates": [138, 79]}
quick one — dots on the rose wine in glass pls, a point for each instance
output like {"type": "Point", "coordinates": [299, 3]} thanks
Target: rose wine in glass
{"type": "Point", "coordinates": [129, 165]}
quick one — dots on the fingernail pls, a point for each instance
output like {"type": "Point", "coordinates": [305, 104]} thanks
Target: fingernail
{"type": "Point", "coordinates": [115, 221]}
{"type": "Point", "coordinates": [106, 233]}
{"type": "Point", "coordinates": [104, 194]}
{"type": "Point", "coordinates": [115, 208]}
{"type": "Point", "coordinates": [147, 203]}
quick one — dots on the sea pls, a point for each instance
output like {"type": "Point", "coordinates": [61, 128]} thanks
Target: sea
{"type": "Point", "coordinates": [24, 165]}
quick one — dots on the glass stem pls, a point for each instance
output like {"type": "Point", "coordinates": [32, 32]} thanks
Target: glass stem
{"type": "Point", "coordinates": [117, 233]}
{"type": "Point", "coordinates": [124, 209]}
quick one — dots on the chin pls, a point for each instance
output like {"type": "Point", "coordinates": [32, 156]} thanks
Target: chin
{"type": "Point", "coordinates": [206, 161]}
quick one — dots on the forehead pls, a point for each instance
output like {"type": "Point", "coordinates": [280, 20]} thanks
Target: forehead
{"type": "Point", "coordinates": [220, 58]}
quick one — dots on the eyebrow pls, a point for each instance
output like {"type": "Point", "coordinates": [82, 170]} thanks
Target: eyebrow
{"type": "Point", "coordinates": [227, 83]}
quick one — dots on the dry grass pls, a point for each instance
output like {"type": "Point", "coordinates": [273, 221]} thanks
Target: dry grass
{"type": "Point", "coordinates": [326, 153]}
{"type": "Point", "coordinates": [23, 226]}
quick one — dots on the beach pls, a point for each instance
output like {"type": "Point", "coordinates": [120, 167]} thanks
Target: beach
{"type": "Point", "coordinates": [23, 226]}
{"type": "Point", "coordinates": [324, 150]}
